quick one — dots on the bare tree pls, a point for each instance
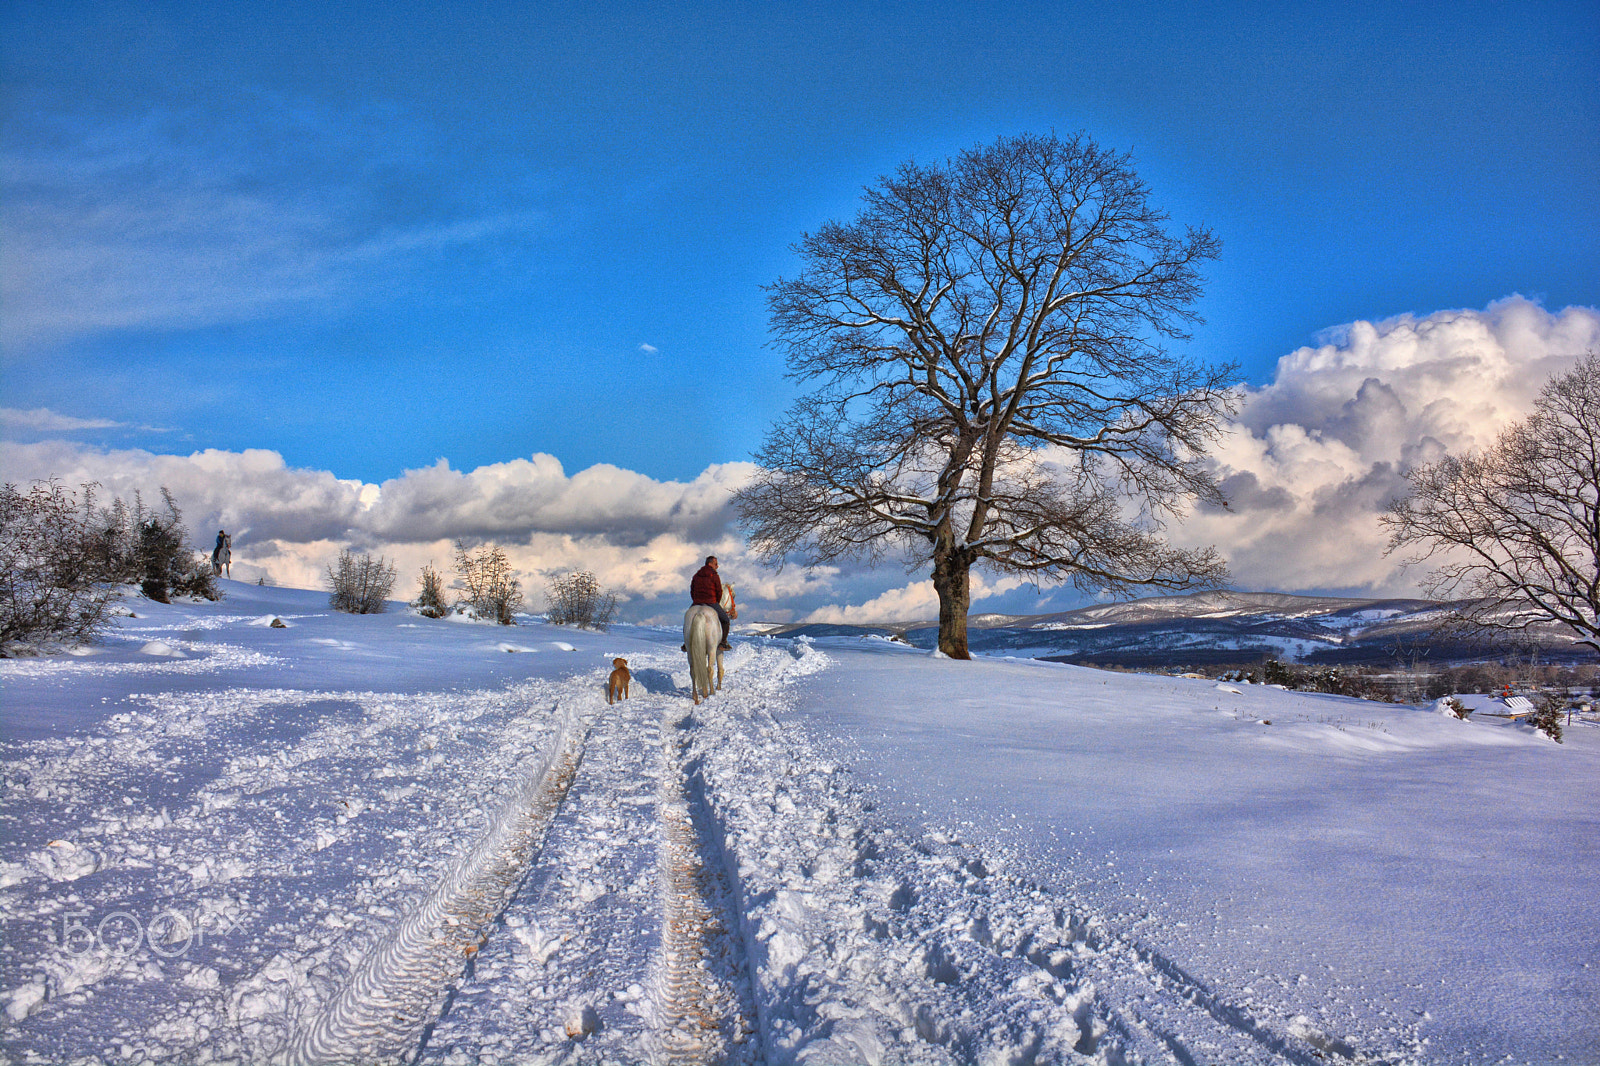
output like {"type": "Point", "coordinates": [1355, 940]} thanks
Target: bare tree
{"type": "Point", "coordinates": [576, 598]}
{"type": "Point", "coordinates": [50, 587]}
{"type": "Point", "coordinates": [489, 583]}
{"type": "Point", "coordinates": [360, 584]}
{"type": "Point", "coordinates": [1515, 528]}
{"type": "Point", "coordinates": [987, 338]}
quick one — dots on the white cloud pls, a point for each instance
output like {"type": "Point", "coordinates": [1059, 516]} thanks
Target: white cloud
{"type": "Point", "coordinates": [648, 349]}
{"type": "Point", "coordinates": [1316, 454]}
{"type": "Point", "coordinates": [914, 602]}
{"type": "Point", "coordinates": [536, 495]}
{"type": "Point", "coordinates": [643, 538]}
{"type": "Point", "coordinates": [44, 420]}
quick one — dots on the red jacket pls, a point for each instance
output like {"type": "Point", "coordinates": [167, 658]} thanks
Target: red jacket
{"type": "Point", "coordinates": [705, 586]}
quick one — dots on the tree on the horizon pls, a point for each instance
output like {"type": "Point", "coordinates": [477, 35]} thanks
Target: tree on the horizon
{"type": "Point", "coordinates": [987, 339]}
{"type": "Point", "coordinates": [1515, 528]}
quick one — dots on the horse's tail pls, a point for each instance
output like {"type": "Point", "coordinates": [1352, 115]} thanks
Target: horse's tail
{"type": "Point", "coordinates": [701, 633]}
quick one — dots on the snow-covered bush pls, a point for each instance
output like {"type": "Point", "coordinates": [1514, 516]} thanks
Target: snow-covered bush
{"type": "Point", "coordinates": [49, 587]}
{"type": "Point", "coordinates": [489, 585]}
{"type": "Point", "coordinates": [1457, 708]}
{"type": "Point", "coordinates": [1547, 719]}
{"type": "Point", "coordinates": [430, 599]}
{"type": "Point", "coordinates": [359, 583]}
{"type": "Point", "coordinates": [576, 599]}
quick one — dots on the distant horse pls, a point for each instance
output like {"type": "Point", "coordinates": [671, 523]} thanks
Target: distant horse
{"type": "Point", "coordinates": [702, 638]}
{"type": "Point", "coordinates": [222, 554]}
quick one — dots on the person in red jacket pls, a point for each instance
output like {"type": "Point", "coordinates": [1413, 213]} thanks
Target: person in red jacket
{"type": "Point", "coordinates": [706, 587]}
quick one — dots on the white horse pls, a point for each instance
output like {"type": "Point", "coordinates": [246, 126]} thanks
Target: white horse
{"type": "Point", "coordinates": [222, 555]}
{"type": "Point", "coordinates": [702, 638]}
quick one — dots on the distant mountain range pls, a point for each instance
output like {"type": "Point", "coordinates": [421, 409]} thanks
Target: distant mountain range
{"type": "Point", "coordinates": [1211, 628]}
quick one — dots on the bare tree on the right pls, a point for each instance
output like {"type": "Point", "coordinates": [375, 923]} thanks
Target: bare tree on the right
{"type": "Point", "coordinates": [1515, 529]}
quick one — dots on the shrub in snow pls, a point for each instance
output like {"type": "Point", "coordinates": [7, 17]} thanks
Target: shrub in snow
{"type": "Point", "coordinates": [1275, 673]}
{"type": "Point", "coordinates": [165, 564]}
{"type": "Point", "coordinates": [1457, 708]}
{"type": "Point", "coordinates": [430, 600]}
{"type": "Point", "coordinates": [360, 584]}
{"type": "Point", "coordinates": [111, 538]}
{"type": "Point", "coordinates": [576, 599]}
{"type": "Point", "coordinates": [1547, 719]}
{"type": "Point", "coordinates": [131, 545]}
{"type": "Point", "coordinates": [488, 582]}
{"type": "Point", "coordinates": [49, 588]}
{"type": "Point", "coordinates": [1329, 679]}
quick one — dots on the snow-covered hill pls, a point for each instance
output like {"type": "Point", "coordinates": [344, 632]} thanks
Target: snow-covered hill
{"type": "Point", "coordinates": [1224, 627]}
{"type": "Point", "coordinates": [386, 838]}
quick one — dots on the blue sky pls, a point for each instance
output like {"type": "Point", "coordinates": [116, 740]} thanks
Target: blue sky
{"type": "Point", "coordinates": [370, 236]}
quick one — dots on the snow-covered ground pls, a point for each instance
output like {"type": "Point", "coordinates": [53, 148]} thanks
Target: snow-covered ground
{"type": "Point", "coordinates": [386, 838]}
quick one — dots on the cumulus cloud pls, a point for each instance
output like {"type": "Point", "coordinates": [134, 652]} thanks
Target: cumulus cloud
{"type": "Point", "coordinates": [648, 349]}
{"type": "Point", "coordinates": [536, 496]}
{"type": "Point", "coordinates": [641, 537]}
{"type": "Point", "coordinates": [1316, 454]}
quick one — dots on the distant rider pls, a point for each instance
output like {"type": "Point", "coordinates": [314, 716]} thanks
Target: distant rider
{"type": "Point", "coordinates": [222, 554]}
{"type": "Point", "coordinates": [706, 588]}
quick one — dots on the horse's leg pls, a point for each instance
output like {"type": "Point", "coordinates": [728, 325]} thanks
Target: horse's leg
{"type": "Point", "coordinates": [719, 668]}
{"type": "Point", "coordinates": [704, 688]}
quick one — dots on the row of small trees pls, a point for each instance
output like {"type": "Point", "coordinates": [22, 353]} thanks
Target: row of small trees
{"type": "Point", "coordinates": [486, 584]}
{"type": "Point", "coordinates": [62, 559]}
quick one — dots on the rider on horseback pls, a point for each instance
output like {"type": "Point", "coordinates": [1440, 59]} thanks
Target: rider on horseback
{"type": "Point", "coordinates": [706, 588]}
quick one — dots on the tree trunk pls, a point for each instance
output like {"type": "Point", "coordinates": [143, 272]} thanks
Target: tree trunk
{"type": "Point", "coordinates": [950, 574]}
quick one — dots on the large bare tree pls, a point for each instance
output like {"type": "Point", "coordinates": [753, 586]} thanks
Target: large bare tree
{"type": "Point", "coordinates": [992, 387]}
{"type": "Point", "coordinates": [1515, 528]}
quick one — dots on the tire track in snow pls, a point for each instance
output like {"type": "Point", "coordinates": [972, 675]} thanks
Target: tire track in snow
{"type": "Point", "coordinates": [623, 944]}
{"type": "Point", "coordinates": [570, 967]}
{"type": "Point", "coordinates": [380, 1011]}
{"type": "Point", "coordinates": [706, 1012]}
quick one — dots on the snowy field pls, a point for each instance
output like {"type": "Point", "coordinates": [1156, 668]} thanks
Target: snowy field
{"type": "Point", "coordinates": [386, 838]}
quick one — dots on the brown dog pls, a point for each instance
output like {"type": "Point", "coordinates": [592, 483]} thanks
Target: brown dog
{"type": "Point", "coordinates": [617, 689]}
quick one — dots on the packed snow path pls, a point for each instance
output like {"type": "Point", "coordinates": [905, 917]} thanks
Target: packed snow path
{"type": "Point", "coordinates": [219, 866]}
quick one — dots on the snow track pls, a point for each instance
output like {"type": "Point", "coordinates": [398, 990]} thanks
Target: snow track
{"type": "Point", "coordinates": [622, 944]}
{"type": "Point", "coordinates": [379, 1013]}
{"type": "Point", "coordinates": [706, 1013]}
